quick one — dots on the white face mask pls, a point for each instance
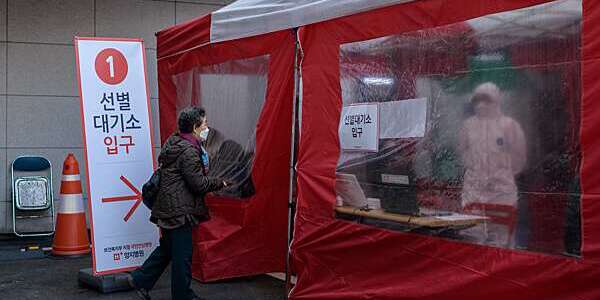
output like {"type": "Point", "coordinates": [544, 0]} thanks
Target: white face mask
{"type": "Point", "coordinates": [204, 134]}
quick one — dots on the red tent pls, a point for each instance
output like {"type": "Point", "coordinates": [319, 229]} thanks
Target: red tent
{"type": "Point", "coordinates": [338, 259]}
{"type": "Point", "coordinates": [437, 50]}
{"type": "Point", "coordinates": [245, 236]}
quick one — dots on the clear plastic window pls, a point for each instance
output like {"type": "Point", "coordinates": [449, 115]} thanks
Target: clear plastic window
{"type": "Point", "coordinates": [232, 93]}
{"type": "Point", "coordinates": [477, 135]}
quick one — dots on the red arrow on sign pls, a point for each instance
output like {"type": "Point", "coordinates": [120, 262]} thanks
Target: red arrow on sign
{"type": "Point", "coordinates": [137, 196]}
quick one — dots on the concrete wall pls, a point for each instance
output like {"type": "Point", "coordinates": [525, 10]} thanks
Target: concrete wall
{"type": "Point", "coordinates": [39, 107]}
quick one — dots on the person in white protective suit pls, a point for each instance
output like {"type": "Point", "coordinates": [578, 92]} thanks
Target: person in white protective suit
{"type": "Point", "coordinates": [493, 151]}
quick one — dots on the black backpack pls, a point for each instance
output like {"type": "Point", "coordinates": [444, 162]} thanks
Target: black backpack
{"type": "Point", "coordinates": [150, 189]}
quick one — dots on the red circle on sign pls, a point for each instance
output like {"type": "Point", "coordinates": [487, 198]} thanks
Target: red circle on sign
{"type": "Point", "coordinates": [111, 66]}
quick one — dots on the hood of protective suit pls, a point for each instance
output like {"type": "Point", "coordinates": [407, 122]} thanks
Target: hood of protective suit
{"type": "Point", "coordinates": [487, 109]}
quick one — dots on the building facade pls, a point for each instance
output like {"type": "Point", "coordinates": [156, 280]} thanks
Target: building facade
{"type": "Point", "coordinates": [39, 103]}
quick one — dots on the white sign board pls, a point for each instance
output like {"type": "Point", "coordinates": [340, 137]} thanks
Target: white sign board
{"type": "Point", "coordinates": [403, 119]}
{"type": "Point", "coordinates": [117, 131]}
{"type": "Point", "coordinates": [359, 127]}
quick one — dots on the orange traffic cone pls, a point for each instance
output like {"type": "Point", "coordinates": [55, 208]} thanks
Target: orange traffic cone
{"type": "Point", "coordinates": [71, 232]}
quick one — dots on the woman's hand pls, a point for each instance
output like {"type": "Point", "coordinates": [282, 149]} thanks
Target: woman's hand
{"type": "Point", "coordinates": [227, 183]}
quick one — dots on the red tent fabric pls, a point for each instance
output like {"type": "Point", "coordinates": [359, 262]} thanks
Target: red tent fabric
{"type": "Point", "coordinates": [244, 237]}
{"type": "Point", "coordinates": [336, 259]}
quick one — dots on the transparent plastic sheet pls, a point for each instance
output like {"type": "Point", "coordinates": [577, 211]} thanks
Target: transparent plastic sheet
{"type": "Point", "coordinates": [233, 94]}
{"type": "Point", "coordinates": [494, 136]}
{"type": "Point", "coordinates": [234, 151]}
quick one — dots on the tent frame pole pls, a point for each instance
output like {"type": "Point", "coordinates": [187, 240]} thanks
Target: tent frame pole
{"type": "Point", "coordinates": [291, 201]}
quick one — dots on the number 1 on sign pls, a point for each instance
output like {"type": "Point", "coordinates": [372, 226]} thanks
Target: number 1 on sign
{"type": "Point", "coordinates": [111, 66]}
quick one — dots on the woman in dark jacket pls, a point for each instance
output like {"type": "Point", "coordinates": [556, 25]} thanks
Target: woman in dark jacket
{"type": "Point", "coordinates": [179, 206]}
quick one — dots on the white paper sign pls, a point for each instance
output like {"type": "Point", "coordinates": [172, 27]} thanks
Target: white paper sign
{"type": "Point", "coordinates": [403, 119]}
{"type": "Point", "coordinates": [359, 127]}
{"type": "Point", "coordinates": [118, 144]}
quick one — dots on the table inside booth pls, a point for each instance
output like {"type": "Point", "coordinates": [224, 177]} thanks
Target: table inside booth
{"type": "Point", "coordinates": [426, 218]}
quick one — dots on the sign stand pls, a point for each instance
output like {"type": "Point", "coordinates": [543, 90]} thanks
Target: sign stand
{"type": "Point", "coordinates": [103, 283]}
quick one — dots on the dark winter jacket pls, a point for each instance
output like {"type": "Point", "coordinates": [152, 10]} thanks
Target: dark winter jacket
{"type": "Point", "coordinates": [183, 184]}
